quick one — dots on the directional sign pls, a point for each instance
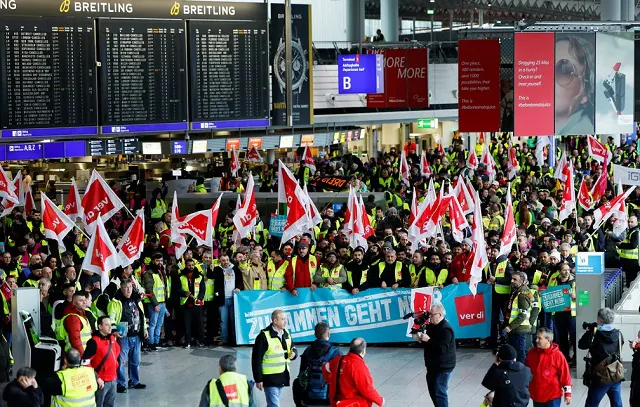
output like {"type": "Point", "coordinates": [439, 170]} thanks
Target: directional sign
{"type": "Point", "coordinates": [589, 263]}
{"type": "Point", "coordinates": [428, 123]}
{"type": "Point", "coordinates": [361, 73]}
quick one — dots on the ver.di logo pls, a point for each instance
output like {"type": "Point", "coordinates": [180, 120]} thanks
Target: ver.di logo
{"type": "Point", "coordinates": [175, 9]}
{"type": "Point", "coordinates": [65, 6]}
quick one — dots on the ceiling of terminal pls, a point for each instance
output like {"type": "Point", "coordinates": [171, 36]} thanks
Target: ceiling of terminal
{"type": "Point", "coordinates": [494, 10]}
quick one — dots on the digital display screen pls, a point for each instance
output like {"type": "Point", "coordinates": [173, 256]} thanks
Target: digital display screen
{"type": "Point", "coordinates": [179, 147]}
{"type": "Point", "coordinates": [199, 146]}
{"type": "Point", "coordinates": [54, 150]}
{"type": "Point", "coordinates": [74, 149]}
{"type": "Point", "coordinates": [151, 148]}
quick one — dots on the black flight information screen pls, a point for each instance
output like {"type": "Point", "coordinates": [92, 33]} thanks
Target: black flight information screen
{"type": "Point", "coordinates": [229, 78]}
{"type": "Point", "coordinates": [143, 76]}
{"type": "Point", "coordinates": [47, 78]}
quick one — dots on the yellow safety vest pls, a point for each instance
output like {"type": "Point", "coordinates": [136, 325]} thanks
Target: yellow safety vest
{"type": "Point", "coordinates": [236, 388]}
{"type": "Point", "coordinates": [209, 289]}
{"type": "Point", "coordinates": [184, 282]}
{"type": "Point", "coordinates": [500, 271]}
{"type": "Point", "coordinates": [276, 277]}
{"type": "Point", "coordinates": [274, 360]}
{"type": "Point", "coordinates": [158, 289]}
{"type": "Point", "coordinates": [515, 312]}
{"type": "Point", "coordinates": [159, 210]}
{"type": "Point", "coordinates": [535, 304]}
{"type": "Point", "coordinates": [440, 279]}
{"type": "Point", "coordinates": [536, 277]}
{"type": "Point", "coordinates": [85, 332]}
{"type": "Point", "coordinates": [114, 310]}
{"type": "Point", "coordinates": [382, 265]}
{"type": "Point", "coordinates": [630, 254]}
{"type": "Point", "coordinates": [200, 188]}
{"type": "Point", "coordinates": [415, 275]}
{"type": "Point", "coordinates": [333, 273]}
{"type": "Point", "coordinates": [78, 388]}
{"type": "Point", "coordinates": [313, 266]}
{"type": "Point", "coordinates": [363, 278]}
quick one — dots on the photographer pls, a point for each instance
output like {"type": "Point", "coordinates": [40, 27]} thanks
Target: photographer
{"type": "Point", "coordinates": [604, 344]}
{"type": "Point", "coordinates": [439, 354]}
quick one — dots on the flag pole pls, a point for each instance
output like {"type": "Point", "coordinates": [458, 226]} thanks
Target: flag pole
{"type": "Point", "coordinates": [82, 231]}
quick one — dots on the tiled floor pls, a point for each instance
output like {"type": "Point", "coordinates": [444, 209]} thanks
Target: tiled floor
{"type": "Point", "coordinates": [176, 377]}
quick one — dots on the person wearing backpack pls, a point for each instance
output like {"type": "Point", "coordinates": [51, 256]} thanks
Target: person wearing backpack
{"type": "Point", "coordinates": [310, 388]}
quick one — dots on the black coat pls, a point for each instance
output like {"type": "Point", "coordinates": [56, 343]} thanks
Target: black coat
{"type": "Point", "coordinates": [600, 345]}
{"type": "Point", "coordinates": [259, 349]}
{"type": "Point", "coordinates": [634, 397]}
{"type": "Point", "coordinates": [510, 382]}
{"type": "Point", "coordinates": [440, 350]}
{"type": "Point", "coordinates": [218, 283]}
{"type": "Point", "coordinates": [16, 396]}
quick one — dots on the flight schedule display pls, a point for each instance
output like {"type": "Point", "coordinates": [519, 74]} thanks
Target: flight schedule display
{"type": "Point", "coordinates": [229, 74]}
{"type": "Point", "coordinates": [143, 76]}
{"type": "Point", "coordinates": [47, 78]}
{"type": "Point", "coordinates": [123, 146]}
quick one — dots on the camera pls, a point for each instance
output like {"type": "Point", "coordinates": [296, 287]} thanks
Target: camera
{"type": "Point", "coordinates": [588, 326]}
{"type": "Point", "coordinates": [420, 321]}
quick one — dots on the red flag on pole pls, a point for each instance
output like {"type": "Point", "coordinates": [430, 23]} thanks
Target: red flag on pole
{"type": "Point", "coordinates": [584, 197]}
{"type": "Point", "coordinates": [72, 207]}
{"type": "Point", "coordinates": [297, 220]}
{"type": "Point", "coordinates": [253, 155]}
{"type": "Point", "coordinates": [132, 244]}
{"type": "Point", "coordinates": [101, 256]}
{"type": "Point", "coordinates": [56, 224]}
{"type": "Point", "coordinates": [98, 200]}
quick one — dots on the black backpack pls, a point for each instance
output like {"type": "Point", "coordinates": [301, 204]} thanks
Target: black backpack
{"type": "Point", "coordinates": [312, 380]}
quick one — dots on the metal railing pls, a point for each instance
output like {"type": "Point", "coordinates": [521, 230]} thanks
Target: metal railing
{"type": "Point", "coordinates": [613, 286]}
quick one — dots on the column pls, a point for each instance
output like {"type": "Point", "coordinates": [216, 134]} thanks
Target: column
{"type": "Point", "coordinates": [628, 9]}
{"type": "Point", "coordinates": [610, 10]}
{"type": "Point", "coordinates": [390, 19]}
{"type": "Point", "coordinates": [481, 17]}
{"type": "Point", "coordinates": [271, 156]}
{"type": "Point", "coordinates": [355, 21]}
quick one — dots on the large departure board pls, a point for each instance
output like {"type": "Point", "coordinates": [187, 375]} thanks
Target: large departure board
{"type": "Point", "coordinates": [143, 76]}
{"type": "Point", "coordinates": [229, 78]}
{"type": "Point", "coordinates": [47, 78]}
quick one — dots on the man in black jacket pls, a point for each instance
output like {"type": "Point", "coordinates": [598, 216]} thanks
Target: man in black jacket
{"type": "Point", "coordinates": [227, 281]}
{"type": "Point", "coordinates": [23, 391]}
{"type": "Point", "coordinates": [508, 380]}
{"type": "Point", "coordinates": [357, 272]}
{"type": "Point", "coordinates": [601, 343]}
{"type": "Point", "coordinates": [272, 352]}
{"type": "Point", "coordinates": [439, 354]}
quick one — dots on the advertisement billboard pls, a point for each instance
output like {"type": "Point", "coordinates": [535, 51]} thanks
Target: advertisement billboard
{"type": "Point", "coordinates": [360, 73]}
{"type": "Point", "coordinates": [405, 79]}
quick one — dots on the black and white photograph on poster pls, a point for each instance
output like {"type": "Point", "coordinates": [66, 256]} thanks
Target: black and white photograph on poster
{"type": "Point", "coordinates": [614, 82]}
{"type": "Point", "coordinates": [574, 87]}
{"type": "Point", "coordinates": [302, 65]}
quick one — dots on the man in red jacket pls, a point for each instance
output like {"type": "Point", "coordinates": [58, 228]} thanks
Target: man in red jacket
{"type": "Point", "coordinates": [458, 269]}
{"type": "Point", "coordinates": [301, 270]}
{"type": "Point", "coordinates": [355, 381]}
{"type": "Point", "coordinates": [102, 351]}
{"type": "Point", "coordinates": [551, 376]}
{"type": "Point", "coordinates": [77, 320]}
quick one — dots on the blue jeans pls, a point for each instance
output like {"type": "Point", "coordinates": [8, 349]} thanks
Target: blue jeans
{"type": "Point", "coordinates": [519, 342]}
{"type": "Point", "coordinates": [227, 321]}
{"type": "Point", "coordinates": [551, 403]}
{"type": "Point", "coordinates": [597, 392]}
{"type": "Point", "coordinates": [156, 319]}
{"type": "Point", "coordinates": [273, 395]}
{"type": "Point", "coordinates": [438, 384]}
{"type": "Point", "coordinates": [129, 358]}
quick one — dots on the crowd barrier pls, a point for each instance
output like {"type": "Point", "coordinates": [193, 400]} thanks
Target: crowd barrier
{"type": "Point", "coordinates": [613, 286]}
{"type": "Point", "coordinates": [375, 314]}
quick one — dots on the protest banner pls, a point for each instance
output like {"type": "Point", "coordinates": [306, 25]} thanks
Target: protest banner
{"type": "Point", "coordinates": [556, 298]}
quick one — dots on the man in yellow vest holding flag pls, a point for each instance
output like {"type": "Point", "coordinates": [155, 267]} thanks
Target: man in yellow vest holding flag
{"type": "Point", "coordinates": [74, 385]}
{"type": "Point", "coordinates": [230, 389]}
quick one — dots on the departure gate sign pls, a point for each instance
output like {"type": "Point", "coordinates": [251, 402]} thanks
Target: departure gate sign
{"type": "Point", "coordinates": [361, 73]}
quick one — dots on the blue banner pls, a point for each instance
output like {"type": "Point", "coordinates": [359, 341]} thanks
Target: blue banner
{"type": "Point", "coordinates": [375, 314]}
{"type": "Point", "coordinates": [276, 225]}
{"type": "Point", "coordinates": [556, 298]}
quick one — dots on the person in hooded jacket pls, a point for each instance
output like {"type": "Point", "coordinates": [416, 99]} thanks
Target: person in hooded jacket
{"type": "Point", "coordinates": [551, 375]}
{"type": "Point", "coordinates": [634, 396]}
{"type": "Point", "coordinates": [602, 342]}
{"type": "Point", "coordinates": [508, 380]}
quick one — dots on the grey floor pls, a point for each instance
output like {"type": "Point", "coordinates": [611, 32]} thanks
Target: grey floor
{"type": "Point", "coordinates": [176, 377]}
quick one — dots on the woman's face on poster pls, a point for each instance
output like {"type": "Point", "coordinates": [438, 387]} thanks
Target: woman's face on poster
{"type": "Point", "coordinates": [569, 73]}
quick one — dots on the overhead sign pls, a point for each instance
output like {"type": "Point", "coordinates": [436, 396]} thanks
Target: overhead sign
{"type": "Point", "coordinates": [255, 142]}
{"type": "Point", "coordinates": [233, 143]}
{"type": "Point", "coordinates": [428, 123]}
{"type": "Point", "coordinates": [179, 147]}
{"type": "Point", "coordinates": [589, 263]}
{"type": "Point", "coordinates": [307, 140]}
{"type": "Point", "coordinates": [360, 73]}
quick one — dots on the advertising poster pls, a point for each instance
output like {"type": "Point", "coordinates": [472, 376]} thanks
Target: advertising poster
{"type": "Point", "coordinates": [479, 85]}
{"type": "Point", "coordinates": [533, 83]}
{"type": "Point", "coordinates": [614, 85]}
{"type": "Point", "coordinates": [302, 66]}
{"type": "Point", "coordinates": [575, 78]}
{"type": "Point", "coordinates": [405, 79]}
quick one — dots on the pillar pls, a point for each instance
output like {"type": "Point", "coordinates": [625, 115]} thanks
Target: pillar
{"type": "Point", "coordinates": [628, 10]}
{"type": "Point", "coordinates": [390, 19]}
{"type": "Point", "coordinates": [481, 17]}
{"type": "Point", "coordinates": [271, 156]}
{"type": "Point", "coordinates": [355, 21]}
{"type": "Point", "coordinates": [450, 24]}
{"type": "Point", "coordinates": [471, 15]}
{"type": "Point", "coordinates": [610, 10]}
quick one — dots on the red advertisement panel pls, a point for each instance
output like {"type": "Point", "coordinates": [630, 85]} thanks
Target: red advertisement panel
{"type": "Point", "coordinates": [479, 85]}
{"type": "Point", "coordinates": [533, 98]}
{"type": "Point", "coordinates": [405, 79]}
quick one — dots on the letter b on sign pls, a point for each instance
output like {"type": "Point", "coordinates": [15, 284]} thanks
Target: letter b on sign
{"type": "Point", "coordinates": [470, 310]}
{"type": "Point", "coordinates": [346, 83]}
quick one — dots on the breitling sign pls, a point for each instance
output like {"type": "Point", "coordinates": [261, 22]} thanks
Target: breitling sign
{"type": "Point", "coordinates": [186, 9]}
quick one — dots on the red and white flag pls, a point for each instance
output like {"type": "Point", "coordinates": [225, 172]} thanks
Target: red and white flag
{"type": "Point", "coordinates": [246, 217]}
{"type": "Point", "coordinates": [472, 160]}
{"type": "Point", "coordinates": [472, 192]}
{"type": "Point", "coordinates": [414, 206]}
{"type": "Point", "coordinates": [598, 151]}
{"type": "Point", "coordinates": [297, 221]}
{"type": "Point", "coordinates": [584, 197]}
{"type": "Point", "coordinates": [56, 224]}
{"type": "Point", "coordinates": [101, 256]}
{"type": "Point", "coordinates": [313, 215]}
{"type": "Point", "coordinates": [73, 208]}
{"type": "Point", "coordinates": [543, 144]}
{"type": "Point", "coordinates": [611, 208]}
{"type": "Point", "coordinates": [425, 168]}
{"type": "Point", "coordinates": [478, 259]}
{"type": "Point", "coordinates": [459, 222]}
{"type": "Point", "coordinates": [132, 244]}
{"type": "Point", "coordinates": [405, 171]}
{"type": "Point", "coordinates": [561, 171]}
{"type": "Point", "coordinates": [235, 162]}
{"type": "Point", "coordinates": [569, 203]}
{"type": "Point", "coordinates": [9, 205]}
{"type": "Point", "coordinates": [512, 164]}
{"type": "Point", "coordinates": [510, 229]}
{"type": "Point", "coordinates": [29, 202]}
{"type": "Point", "coordinates": [308, 158]}
{"type": "Point", "coordinates": [8, 190]}
{"type": "Point", "coordinates": [349, 214]}
{"type": "Point", "coordinates": [177, 239]}
{"type": "Point", "coordinates": [425, 224]}
{"type": "Point", "coordinates": [215, 209]}
{"type": "Point", "coordinates": [489, 162]}
{"type": "Point", "coordinates": [253, 155]}
{"type": "Point", "coordinates": [367, 229]}
{"type": "Point", "coordinates": [600, 187]}
{"type": "Point", "coordinates": [198, 225]}
{"type": "Point", "coordinates": [463, 196]}
{"type": "Point", "coordinates": [354, 227]}
{"type": "Point", "coordinates": [99, 200]}
{"type": "Point", "coordinates": [621, 221]}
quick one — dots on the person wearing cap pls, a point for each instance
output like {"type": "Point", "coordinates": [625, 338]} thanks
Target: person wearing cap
{"type": "Point", "coordinates": [357, 272]}
{"type": "Point", "coordinates": [331, 274]}
{"type": "Point", "coordinates": [390, 273]}
{"type": "Point", "coordinates": [301, 270]}
{"type": "Point", "coordinates": [391, 221]}
{"type": "Point", "coordinates": [551, 375]}
{"type": "Point", "coordinates": [507, 380]}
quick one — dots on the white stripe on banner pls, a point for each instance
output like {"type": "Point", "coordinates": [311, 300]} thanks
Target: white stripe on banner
{"type": "Point", "coordinates": [353, 328]}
